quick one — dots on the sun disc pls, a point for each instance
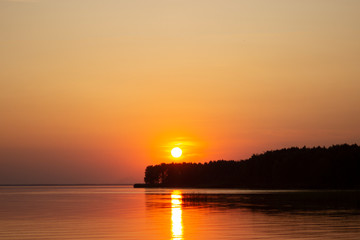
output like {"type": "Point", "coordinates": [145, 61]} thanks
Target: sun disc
{"type": "Point", "coordinates": [176, 152]}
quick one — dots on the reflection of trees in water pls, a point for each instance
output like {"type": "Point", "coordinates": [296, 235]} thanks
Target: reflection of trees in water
{"type": "Point", "coordinates": [305, 202]}
{"type": "Point", "coordinates": [281, 215]}
{"type": "Point", "coordinates": [295, 201]}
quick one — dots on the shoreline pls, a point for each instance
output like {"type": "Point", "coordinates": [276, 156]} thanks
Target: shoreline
{"type": "Point", "coordinates": [144, 185]}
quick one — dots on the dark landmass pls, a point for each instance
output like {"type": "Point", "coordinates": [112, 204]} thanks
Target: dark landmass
{"type": "Point", "coordinates": [336, 167]}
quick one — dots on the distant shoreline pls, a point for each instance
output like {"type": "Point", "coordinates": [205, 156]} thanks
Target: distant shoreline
{"type": "Point", "coordinates": [52, 185]}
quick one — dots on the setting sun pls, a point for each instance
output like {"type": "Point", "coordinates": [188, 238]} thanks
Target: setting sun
{"type": "Point", "coordinates": [176, 152]}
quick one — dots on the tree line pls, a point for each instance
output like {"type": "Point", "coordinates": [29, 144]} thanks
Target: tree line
{"type": "Point", "coordinates": [335, 167]}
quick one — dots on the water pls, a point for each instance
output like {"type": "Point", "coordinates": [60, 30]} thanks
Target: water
{"type": "Point", "coordinates": [122, 212]}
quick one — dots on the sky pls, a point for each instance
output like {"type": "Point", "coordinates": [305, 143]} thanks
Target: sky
{"type": "Point", "coordinates": [93, 91]}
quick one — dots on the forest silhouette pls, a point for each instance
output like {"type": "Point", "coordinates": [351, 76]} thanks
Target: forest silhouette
{"type": "Point", "coordinates": [336, 167]}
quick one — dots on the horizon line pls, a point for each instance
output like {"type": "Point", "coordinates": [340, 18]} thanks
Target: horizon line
{"type": "Point", "coordinates": [66, 184]}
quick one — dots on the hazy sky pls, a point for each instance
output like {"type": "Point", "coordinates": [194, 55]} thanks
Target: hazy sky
{"type": "Point", "coordinates": [94, 91]}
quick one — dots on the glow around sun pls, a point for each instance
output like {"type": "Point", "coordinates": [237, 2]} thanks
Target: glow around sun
{"type": "Point", "coordinates": [176, 152]}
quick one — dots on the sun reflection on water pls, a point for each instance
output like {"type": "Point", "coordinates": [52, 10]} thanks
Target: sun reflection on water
{"type": "Point", "coordinates": [176, 215]}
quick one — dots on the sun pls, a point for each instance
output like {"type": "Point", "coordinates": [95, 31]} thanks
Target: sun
{"type": "Point", "coordinates": [176, 152]}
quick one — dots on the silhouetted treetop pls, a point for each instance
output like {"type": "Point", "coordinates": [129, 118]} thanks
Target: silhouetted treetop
{"type": "Point", "coordinates": [335, 167]}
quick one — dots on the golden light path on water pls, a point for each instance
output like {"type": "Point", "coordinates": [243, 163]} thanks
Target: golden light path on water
{"type": "Point", "coordinates": [176, 215]}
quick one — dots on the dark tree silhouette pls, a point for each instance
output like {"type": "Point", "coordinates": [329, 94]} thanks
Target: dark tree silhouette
{"type": "Point", "coordinates": [335, 167]}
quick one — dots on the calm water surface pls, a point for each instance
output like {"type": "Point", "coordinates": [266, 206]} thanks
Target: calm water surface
{"type": "Point", "coordinates": [122, 212]}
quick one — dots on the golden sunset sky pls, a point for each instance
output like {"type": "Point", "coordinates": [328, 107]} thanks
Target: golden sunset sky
{"type": "Point", "coordinates": [93, 91]}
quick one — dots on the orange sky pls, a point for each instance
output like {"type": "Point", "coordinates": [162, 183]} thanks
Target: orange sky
{"type": "Point", "coordinates": [93, 91]}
